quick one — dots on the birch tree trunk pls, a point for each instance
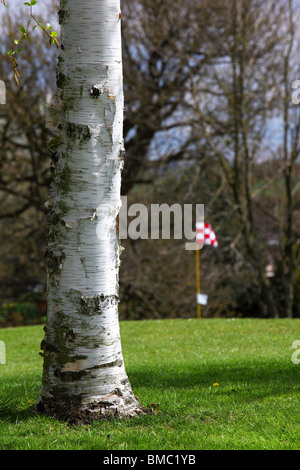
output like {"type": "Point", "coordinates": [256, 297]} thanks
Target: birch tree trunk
{"type": "Point", "coordinates": [84, 375]}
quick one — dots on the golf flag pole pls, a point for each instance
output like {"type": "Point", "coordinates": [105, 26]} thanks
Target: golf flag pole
{"type": "Point", "coordinates": [198, 282]}
{"type": "Point", "coordinates": [204, 236]}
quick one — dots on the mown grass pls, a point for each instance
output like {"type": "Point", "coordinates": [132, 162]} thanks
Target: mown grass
{"type": "Point", "coordinates": [215, 384]}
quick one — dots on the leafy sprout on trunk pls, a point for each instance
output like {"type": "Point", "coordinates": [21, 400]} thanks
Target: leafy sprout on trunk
{"type": "Point", "coordinates": [47, 29]}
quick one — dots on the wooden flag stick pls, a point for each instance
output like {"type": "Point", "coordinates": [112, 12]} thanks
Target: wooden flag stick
{"type": "Point", "coordinates": [198, 282]}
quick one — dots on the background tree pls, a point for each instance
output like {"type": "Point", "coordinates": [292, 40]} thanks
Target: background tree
{"type": "Point", "coordinates": [288, 226]}
{"type": "Point", "coordinates": [24, 163]}
{"type": "Point", "coordinates": [164, 46]}
{"type": "Point", "coordinates": [233, 115]}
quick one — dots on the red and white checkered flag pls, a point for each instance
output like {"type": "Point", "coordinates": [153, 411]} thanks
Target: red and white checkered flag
{"type": "Point", "coordinates": [205, 234]}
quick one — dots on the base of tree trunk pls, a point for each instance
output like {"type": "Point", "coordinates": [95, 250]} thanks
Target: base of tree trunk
{"type": "Point", "coordinates": [73, 412]}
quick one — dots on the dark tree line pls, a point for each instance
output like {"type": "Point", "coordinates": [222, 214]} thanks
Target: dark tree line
{"type": "Point", "coordinates": [204, 84]}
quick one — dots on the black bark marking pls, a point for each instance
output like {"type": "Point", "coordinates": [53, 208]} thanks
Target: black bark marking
{"type": "Point", "coordinates": [63, 16]}
{"type": "Point", "coordinates": [97, 304]}
{"type": "Point", "coordinates": [95, 91]}
{"type": "Point", "coordinates": [78, 131]}
{"type": "Point", "coordinates": [54, 262]}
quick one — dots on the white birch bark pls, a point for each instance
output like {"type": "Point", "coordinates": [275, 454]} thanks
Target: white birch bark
{"type": "Point", "coordinates": [83, 371]}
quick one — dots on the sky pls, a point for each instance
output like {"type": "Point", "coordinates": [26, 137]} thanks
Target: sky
{"type": "Point", "coordinates": [40, 7]}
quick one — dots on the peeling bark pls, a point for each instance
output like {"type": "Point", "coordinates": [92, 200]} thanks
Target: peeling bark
{"type": "Point", "coordinates": [84, 377]}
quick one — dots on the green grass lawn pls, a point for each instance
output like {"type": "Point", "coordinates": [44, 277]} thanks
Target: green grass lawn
{"type": "Point", "coordinates": [217, 384]}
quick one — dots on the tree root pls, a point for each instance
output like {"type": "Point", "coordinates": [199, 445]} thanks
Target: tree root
{"type": "Point", "coordinates": [74, 413]}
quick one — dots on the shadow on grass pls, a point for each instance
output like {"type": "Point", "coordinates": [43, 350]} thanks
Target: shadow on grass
{"type": "Point", "coordinates": [258, 379]}
{"type": "Point", "coordinates": [17, 401]}
{"type": "Point", "coordinates": [252, 382]}
{"type": "Point", "coordinates": [12, 411]}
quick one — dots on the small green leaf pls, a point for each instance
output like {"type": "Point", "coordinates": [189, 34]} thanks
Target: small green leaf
{"type": "Point", "coordinates": [17, 41]}
{"type": "Point", "coordinates": [23, 30]}
{"type": "Point", "coordinates": [53, 34]}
